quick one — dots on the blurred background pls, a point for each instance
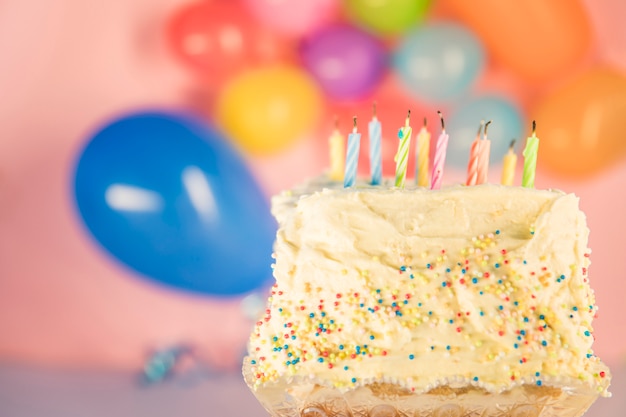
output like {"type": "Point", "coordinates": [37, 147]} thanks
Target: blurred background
{"type": "Point", "coordinates": [141, 140]}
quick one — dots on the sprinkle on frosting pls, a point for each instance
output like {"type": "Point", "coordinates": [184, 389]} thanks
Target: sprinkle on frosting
{"type": "Point", "coordinates": [484, 284]}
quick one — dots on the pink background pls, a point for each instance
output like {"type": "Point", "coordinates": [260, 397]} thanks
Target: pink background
{"type": "Point", "coordinates": [66, 67]}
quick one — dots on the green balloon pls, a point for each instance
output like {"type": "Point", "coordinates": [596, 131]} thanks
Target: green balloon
{"type": "Point", "coordinates": [387, 17]}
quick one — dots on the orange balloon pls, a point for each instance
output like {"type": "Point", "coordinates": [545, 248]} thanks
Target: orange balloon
{"type": "Point", "coordinates": [537, 39]}
{"type": "Point", "coordinates": [582, 125]}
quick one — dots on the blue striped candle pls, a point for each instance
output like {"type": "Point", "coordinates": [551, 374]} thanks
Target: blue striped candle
{"type": "Point", "coordinates": [352, 157]}
{"type": "Point", "coordinates": [376, 159]}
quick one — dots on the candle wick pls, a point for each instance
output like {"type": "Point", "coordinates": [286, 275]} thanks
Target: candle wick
{"type": "Point", "coordinates": [480, 128]}
{"type": "Point", "coordinates": [534, 127]}
{"type": "Point", "coordinates": [354, 129]}
{"type": "Point", "coordinates": [443, 125]}
{"type": "Point", "coordinates": [485, 130]}
{"type": "Point", "coordinates": [374, 110]}
{"type": "Point", "coordinates": [336, 122]}
{"type": "Point", "coordinates": [408, 116]}
{"type": "Point", "coordinates": [425, 122]}
{"type": "Point", "coordinates": [512, 145]}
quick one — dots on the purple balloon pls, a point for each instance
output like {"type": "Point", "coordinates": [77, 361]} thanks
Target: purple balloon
{"type": "Point", "coordinates": [346, 61]}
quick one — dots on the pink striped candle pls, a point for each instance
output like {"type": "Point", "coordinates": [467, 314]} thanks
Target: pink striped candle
{"type": "Point", "coordinates": [483, 157]}
{"type": "Point", "coordinates": [440, 156]}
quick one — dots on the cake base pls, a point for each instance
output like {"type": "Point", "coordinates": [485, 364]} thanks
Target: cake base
{"type": "Point", "coordinates": [301, 399]}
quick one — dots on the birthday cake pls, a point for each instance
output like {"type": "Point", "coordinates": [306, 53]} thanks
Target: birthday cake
{"type": "Point", "coordinates": [475, 298]}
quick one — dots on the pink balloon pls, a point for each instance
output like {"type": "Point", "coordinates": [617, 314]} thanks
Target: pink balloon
{"type": "Point", "coordinates": [293, 17]}
{"type": "Point", "coordinates": [69, 304]}
{"type": "Point", "coordinates": [607, 18]}
{"type": "Point", "coordinates": [64, 302]}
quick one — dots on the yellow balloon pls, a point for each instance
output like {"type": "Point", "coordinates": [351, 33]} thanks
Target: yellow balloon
{"type": "Point", "coordinates": [582, 124]}
{"type": "Point", "coordinates": [265, 110]}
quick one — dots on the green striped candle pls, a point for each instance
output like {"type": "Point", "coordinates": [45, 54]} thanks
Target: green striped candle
{"type": "Point", "coordinates": [530, 159]}
{"type": "Point", "coordinates": [402, 156]}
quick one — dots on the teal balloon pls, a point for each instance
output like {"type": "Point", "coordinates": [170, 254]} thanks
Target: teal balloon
{"type": "Point", "coordinates": [439, 62]}
{"type": "Point", "coordinates": [462, 124]}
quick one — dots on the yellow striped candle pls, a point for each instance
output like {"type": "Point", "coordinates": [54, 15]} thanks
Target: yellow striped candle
{"type": "Point", "coordinates": [530, 159]}
{"type": "Point", "coordinates": [439, 159]}
{"type": "Point", "coordinates": [508, 165]}
{"type": "Point", "coordinates": [423, 155]}
{"type": "Point", "coordinates": [336, 144]}
{"type": "Point", "coordinates": [483, 157]}
{"type": "Point", "coordinates": [402, 156]}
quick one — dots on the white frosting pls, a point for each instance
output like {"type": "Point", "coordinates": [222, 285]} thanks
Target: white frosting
{"type": "Point", "coordinates": [483, 285]}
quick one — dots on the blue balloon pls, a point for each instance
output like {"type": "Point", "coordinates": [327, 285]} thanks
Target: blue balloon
{"type": "Point", "coordinates": [170, 198]}
{"type": "Point", "coordinates": [462, 124]}
{"type": "Point", "coordinates": [439, 62]}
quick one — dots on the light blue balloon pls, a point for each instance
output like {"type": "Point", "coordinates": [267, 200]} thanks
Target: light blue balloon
{"type": "Point", "coordinates": [462, 124]}
{"type": "Point", "coordinates": [439, 62]}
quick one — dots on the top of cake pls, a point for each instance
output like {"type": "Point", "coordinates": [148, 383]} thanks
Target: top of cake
{"type": "Point", "coordinates": [484, 285]}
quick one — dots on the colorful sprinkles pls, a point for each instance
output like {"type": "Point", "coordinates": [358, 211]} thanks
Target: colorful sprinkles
{"type": "Point", "coordinates": [481, 270]}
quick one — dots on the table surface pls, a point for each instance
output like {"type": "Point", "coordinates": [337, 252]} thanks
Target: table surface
{"type": "Point", "coordinates": [31, 392]}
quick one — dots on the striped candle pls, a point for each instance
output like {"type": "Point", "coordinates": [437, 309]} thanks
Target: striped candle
{"type": "Point", "coordinates": [530, 159]}
{"type": "Point", "coordinates": [439, 159]}
{"type": "Point", "coordinates": [483, 157]}
{"type": "Point", "coordinates": [376, 159]}
{"type": "Point", "coordinates": [508, 165]}
{"type": "Point", "coordinates": [472, 166]}
{"type": "Point", "coordinates": [352, 157]}
{"type": "Point", "coordinates": [402, 156]}
{"type": "Point", "coordinates": [431, 152]}
{"type": "Point", "coordinates": [337, 148]}
{"type": "Point", "coordinates": [422, 163]}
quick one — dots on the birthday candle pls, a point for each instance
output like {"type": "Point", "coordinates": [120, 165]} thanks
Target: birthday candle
{"type": "Point", "coordinates": [508, 165]}
{"type": "Point", "coordinates": [376, 163]}
{"type": "Point", "coordinates": [402, 156]}
{"type": "Point", "coordinates": [440, 156]}
{"type": "Point", "coordinates": [336, 144]}
{"type": "Point", "coordinates": [422, 158]}
{"type": "Point", "coordinates": [431, 153]}
{"type": "Point", "coordinates": [352, 157]}
{"type": "Point", "coordinates": [483, 157]}
{"type": "Point", "coordinates": [530, 159]}
{"type": "Point", "coordinates": [472, 166]}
